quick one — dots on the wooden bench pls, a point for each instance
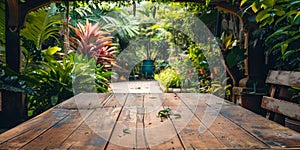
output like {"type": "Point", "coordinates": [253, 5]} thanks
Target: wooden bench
{"type": "Point", "coordinates": [277, 102]}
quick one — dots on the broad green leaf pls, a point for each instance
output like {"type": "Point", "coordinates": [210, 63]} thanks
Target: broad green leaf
{"type": "Point", "coordinates": [262, 15]}
{"type": "Point", "coordinates": [268, 3]}
{"type": "Point", "coordinates": [279, 32]}
{"type": "Point", "coordinates": [52, 50]}
{"type": "Point", "coordinates": [270, 20]}
{"type": "Point", "coordinates": [279, 12]}
{"type": "Point", "coordinates": [264, 23]}
{"type": "Point", "coordinates": [207, 2]}
{"type": "Point", "coordinates": [289, 53]}
{"type": "Point", "coordinates": [297, 16]}
{"type": "Point", "coordinates": [292, 12]}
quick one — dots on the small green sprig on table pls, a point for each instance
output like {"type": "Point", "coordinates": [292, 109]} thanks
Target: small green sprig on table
{"type": "Point", "coordinates": [166, 113]}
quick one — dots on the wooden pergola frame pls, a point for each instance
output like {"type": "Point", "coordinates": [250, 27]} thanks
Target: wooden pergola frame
{"type": "Point", "coordinates": [16, 12]}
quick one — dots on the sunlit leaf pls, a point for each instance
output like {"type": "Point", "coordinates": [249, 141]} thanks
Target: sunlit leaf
{"type": "Point", "coordinates": [262, 15]}
{"type": "Point", "coordinates": [268, 3]}
{"type": "Point", "coordinates": [52, 50]}
{"type": "Point", "coordinates": [243, 2]}
{"type": "Point", "coordinates": [284, 47]}
{"type": "Point", "coordinates": [254, 7]}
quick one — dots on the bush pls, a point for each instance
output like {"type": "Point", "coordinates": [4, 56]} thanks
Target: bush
{"type": "Point", "coordinates": [169, 78]}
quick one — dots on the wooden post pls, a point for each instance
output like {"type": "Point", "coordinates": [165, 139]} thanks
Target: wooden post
{"type": "Point", "coordinates": [12, 104]}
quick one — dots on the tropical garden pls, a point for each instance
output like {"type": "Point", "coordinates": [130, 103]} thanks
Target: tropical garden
{"type": "Point", "coordinates": [82, 46]}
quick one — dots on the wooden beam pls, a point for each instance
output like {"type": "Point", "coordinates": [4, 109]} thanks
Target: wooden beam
{"type": "Point", "coordinates": [13, 107]}
{"type": "Point", "coordinates": [287, 78]}
{"type": "Point", "coordinates": [286, 108]}
{"type": "Point", "coordinates": [31, 5]}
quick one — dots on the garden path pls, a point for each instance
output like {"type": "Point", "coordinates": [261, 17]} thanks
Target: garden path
{"type": "Point", "coordinates": [136, 87]}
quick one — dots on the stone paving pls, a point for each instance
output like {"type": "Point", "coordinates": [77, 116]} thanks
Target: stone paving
{"type": "Point", "coordinates": [136, 87]}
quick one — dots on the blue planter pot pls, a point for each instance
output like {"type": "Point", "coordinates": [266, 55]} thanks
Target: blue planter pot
{"type": "Point", "coordinates": [148, 68]}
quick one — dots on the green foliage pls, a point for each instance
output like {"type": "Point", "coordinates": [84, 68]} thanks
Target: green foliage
{"type": "Point", "coordinates": [284, 16]}
{"type": "Point", "coordinates": [295, 91]}
{"type": "Point", "coordinates": [87, 76]}
{"type": "Point", "coordinates": [196, 54]}
{"type": "Point", "coordinates": [110, 17]}
{"type": "Point", "coordinates": [161, 65]}
{"type": "Point", "coordinates": [221, 90]}
{"type": "Point", "coordinates": [167, 113]}
{"type": "Point", "coordinates": [169, 78]}
{"type": "Point", "coordinates": [51, 79]}
{"type": "Point", "coordinates": [235, 56]}
{"type": "Point", "coordinates": [232, 52]}
{"type": "Point", "coordinates": [42, 25]}
{"type": "Point", "coordinates": [2, 21]}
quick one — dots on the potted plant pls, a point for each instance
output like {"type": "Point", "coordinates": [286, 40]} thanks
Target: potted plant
{"type": "Point", "coordinates": [148, 62]}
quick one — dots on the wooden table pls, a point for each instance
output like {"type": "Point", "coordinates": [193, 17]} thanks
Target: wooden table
{"type": "Point", "coordinates": [126, 121]}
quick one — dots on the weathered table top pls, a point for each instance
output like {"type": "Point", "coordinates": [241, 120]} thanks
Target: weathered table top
{"type": "Point", "coordinates": [126, 121]}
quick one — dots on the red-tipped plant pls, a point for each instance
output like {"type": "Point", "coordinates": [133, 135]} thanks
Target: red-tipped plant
{"type": "Point", "coordinates": [93, 42]}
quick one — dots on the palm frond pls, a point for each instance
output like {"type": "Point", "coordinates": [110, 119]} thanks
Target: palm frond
{"type": "Point", "coordinates": [40, 26]}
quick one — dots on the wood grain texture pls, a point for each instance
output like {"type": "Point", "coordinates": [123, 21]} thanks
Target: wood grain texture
{"type": "Point", "coordinates": [225, 131]}
{"type": "Point", "coordinates": [95, 131]}
{"type": "Point", "coordinates": [125, 132]}
{"type": "Point", "coordinates": [56, 135]}
{"type": "Point", "coordinates": [32, 129]}
{"type": "Point", "coordinates": [287, 78]}
{"type": "Point", "coordinates": [129, 121]}
{"type": "Point", "coordinates": [159, 134]}
{"type": "Point", "coordinates": [286, 108]}
{"type": "Point", "coordinates": [189, 126]}
{"type": "Point", "coordinates": [271, 133]}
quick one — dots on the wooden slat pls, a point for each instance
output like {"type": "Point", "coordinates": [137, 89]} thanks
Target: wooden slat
{"type": "Point", "coordinates": [56, 135]}
{"type": "Point", "coordinates": [95, 131]}
{"type": "Point", "coordinates": [125, 133]}
{"type": "Point", "coordinates": [201, 126]}
{"type": "Point", "coordinates": [225, 131]}
{"type": "Point", "coordinates": [31, 129]}
{"type": "Point", "coordinates": [287, 78]}
{"type": "Point", "coordinates": [286, 108]}
{"type": "Point", "coordinates": [158, 134]}
{"type": "Point", "coordinates": [273, 134]}
{"type": "Point", "coordinates": [84, 101]}
{"type": "Point", "coordinates": [188, 125]}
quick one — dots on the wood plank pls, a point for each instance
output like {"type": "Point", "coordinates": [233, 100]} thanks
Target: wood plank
{"type": "Point", "coordinates": [44, 122]}
{"type": "Point", "coordinates": [158, 134]}
{"type": "Point", "coordinates": [56, 135]}
{"type": "Point", "coordinates": [85, 101]}
{"type": "Point", "coordinates": [31, 129]}
{"type": "Point", "coordinates": [188, 125]}
{"type": "Point", "coordinates": [273, 134]}
{"type": "Point", "coordinates": [286, 108]}
{"type": "Point", "coordinates": [287, 78]}
{"type": "Point", "coordinates": [227, 132]}
{"type": "Point", "coordinates": [128, 134]}
{"type": "Point", "coordinates": [95, 131]}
